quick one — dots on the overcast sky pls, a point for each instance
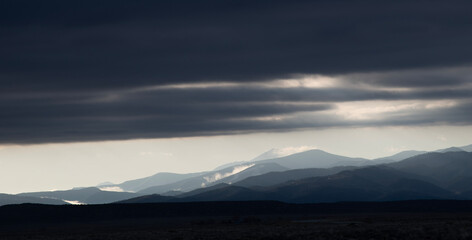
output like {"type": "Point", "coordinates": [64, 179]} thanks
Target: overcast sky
{"type": "Point", "coordinates": [100, 75]}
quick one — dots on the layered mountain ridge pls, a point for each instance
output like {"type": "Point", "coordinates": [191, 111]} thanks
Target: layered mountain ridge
{"type": "Point", "coordinates": [303, 177]}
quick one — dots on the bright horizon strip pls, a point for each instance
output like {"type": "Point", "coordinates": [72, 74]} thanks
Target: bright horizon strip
{"type": "Point", "coordinates": [42, 167]}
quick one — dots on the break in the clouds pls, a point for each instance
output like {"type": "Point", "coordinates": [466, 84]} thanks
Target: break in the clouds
{"type": "Point", "coordinates": [105, 70]}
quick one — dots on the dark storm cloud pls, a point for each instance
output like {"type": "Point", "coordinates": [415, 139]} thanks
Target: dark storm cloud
{"type": "Point", "coordinates": [457, 115]}
{"type": "Point", "coordinates": [420, 78]}
{"type": "Point", "coordinates": [109, 121]}
{"type": "Point", "coordinates": [229, 95]}
{"type": "Point", "coordinates": [206, 111]}
{"type": "Point", "coordinates": [69, 45]}
{"type": "Point", "coordinates": [72, 70]}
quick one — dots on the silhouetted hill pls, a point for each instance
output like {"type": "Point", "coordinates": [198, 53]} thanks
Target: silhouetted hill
{"type": "Point", "coordinates": [271, 154]}
{"type": "Point", "coordinates": [171, 193]}
{"type": "Point", "coordinates": [415, 180]}
{"type": "Point", "coordinates": [256, 170]}
{"type": "Point", "coordinates": [202, 190]}
{"type": "Point", "coordinates": [90, 195]}
{"type": "Point", "coordinates": [315, 159]}
{"type": "Point", "coordinates": [274, 178]}
{"type": "Point", "coordinates": [227, 175]}
{"type": "Point", "coordinates": [365, 184]}
{"type": "Point", "coordinates": [423, 176]}
{"type": "Point", "coordinates": [228, 193]}
{"type": "Point", "coordinates": [153, 198]}
{"type": "Point", "coordinates": [450, 170]}
{"type": "Point", "coordinates": [467, 148]}
{"type": "Point", "coordinates": [399, 156]}
{"type": "Point", "coordinates": [154, 180]}
{"type": "Point", "coordinates": [378, 183]}
{"type": "Point", "coordinates": [407, 189]}
{"type": "Point", "coordinates": [451, 149]}
{"type": "Point", "coordinates": [6, 199]}
{"type": "Point", "coordinates": [231, 164]}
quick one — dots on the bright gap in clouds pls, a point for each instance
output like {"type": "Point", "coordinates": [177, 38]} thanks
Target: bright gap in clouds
{"type": "Point", "coordinates": [377, 110]}
{"type": "Point", "coordinates": [299, 81]}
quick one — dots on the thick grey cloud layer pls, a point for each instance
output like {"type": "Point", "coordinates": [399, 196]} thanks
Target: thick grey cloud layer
{"type": "Point", "coordinates": [73, 70]}
{"type": "Point", "coordinates": [114, 44]}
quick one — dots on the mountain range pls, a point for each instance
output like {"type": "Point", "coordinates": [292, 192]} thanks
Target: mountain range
{"type": "Point", "coordinates": [7, 199]}
{"type": "Point", "coordinates": [385, 182]}
{"type": "Point", "coordinates": [309, 176]}
{"type": "Point", "coordinates": [377, 183]}
{"type": "Point", "coordinates": [90, 195]}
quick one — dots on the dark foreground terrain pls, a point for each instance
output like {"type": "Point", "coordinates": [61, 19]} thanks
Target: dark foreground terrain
{"type": "Point", "coordinates": [241, 220]}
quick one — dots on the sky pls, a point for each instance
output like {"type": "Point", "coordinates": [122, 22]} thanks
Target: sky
{"type": "Point", "coordinates": [95, 91]}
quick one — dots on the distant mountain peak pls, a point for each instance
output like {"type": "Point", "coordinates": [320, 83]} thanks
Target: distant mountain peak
{"type": "Point", "coordinates": [105, 184]}
{"type": "Point", "coordinates": [218, 175]}
{"type": "Point", "coordinates": [399, 156]}
{"type": "Point", "coordinates": [282, 152]}
{"type": "Point", "coordinates": [315, 158]}
{"type": "Point", "coordinates": [451, 149]}
{"type": "Point", "coordinates": [467, 148]}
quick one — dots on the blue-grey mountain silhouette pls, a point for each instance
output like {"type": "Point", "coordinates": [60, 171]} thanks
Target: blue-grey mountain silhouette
{"type": "Point", "coordinates": [7, 199]}
{"type": "Point", "coordinates": [89, 195]}
{"type": "Point", "coordinates": [227, 175]}
{"type": "Point", "coordinates": [315, 159]}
